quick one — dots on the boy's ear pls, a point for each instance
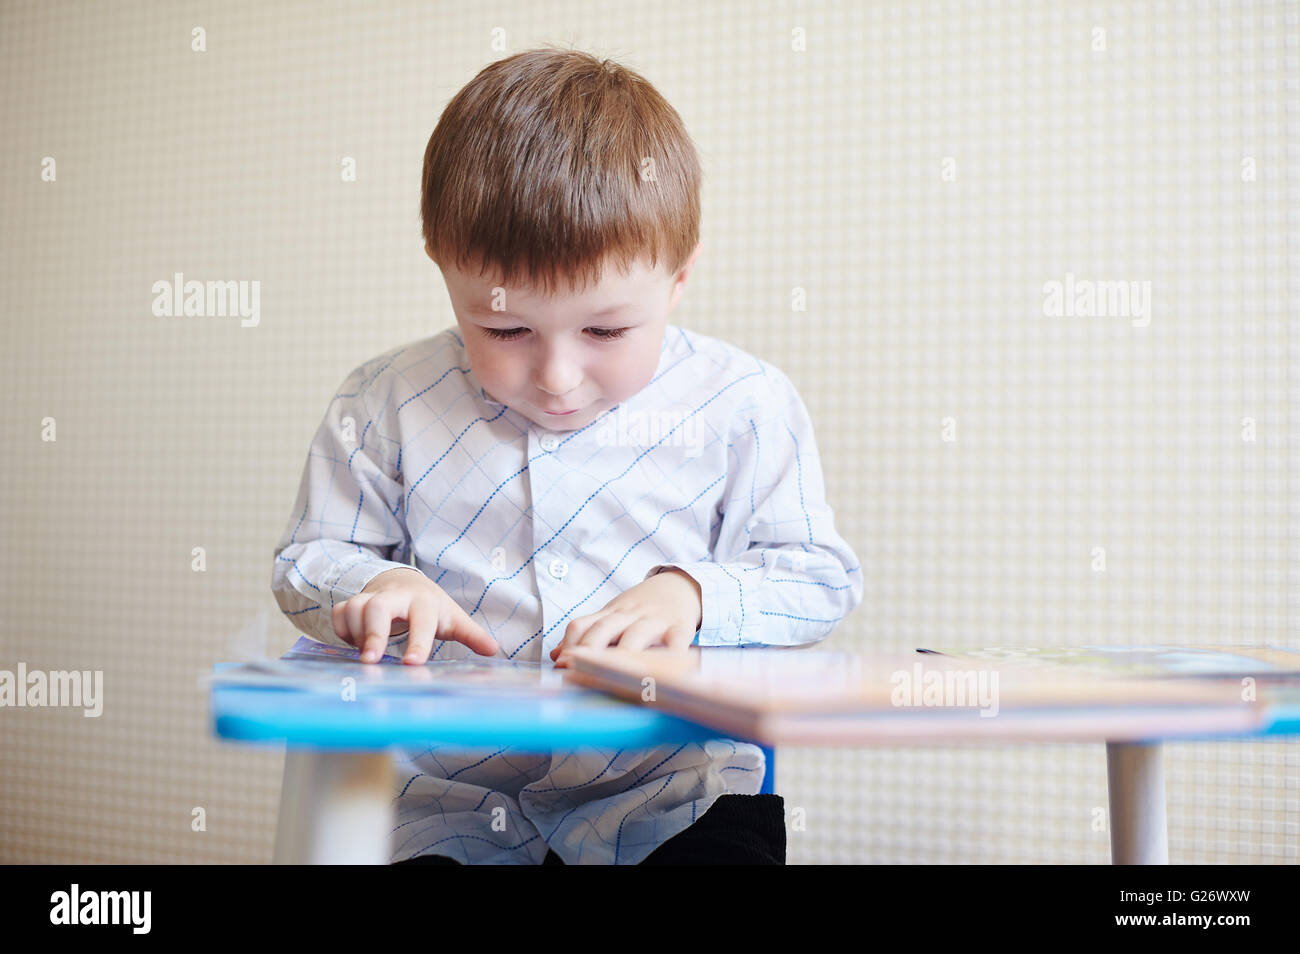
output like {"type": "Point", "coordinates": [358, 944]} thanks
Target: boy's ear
{"type": "Point", "coordinates": [679, 282]}
{"type": "Point", "coordinates": [690, 262]}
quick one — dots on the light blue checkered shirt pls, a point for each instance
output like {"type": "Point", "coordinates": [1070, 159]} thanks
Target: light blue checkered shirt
{"type": "Point", "coordinates": [712, 467]}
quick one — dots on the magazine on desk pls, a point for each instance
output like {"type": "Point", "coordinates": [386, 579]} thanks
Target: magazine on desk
{"type": "Point", "coordinates": [313, 666]}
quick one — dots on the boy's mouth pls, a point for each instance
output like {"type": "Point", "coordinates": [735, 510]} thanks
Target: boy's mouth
{"type": "Point", "coordinates": [557, 412]}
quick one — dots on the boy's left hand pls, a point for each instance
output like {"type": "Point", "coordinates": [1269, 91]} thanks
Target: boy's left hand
{"type": "Point", "coordinates": [665, 609]}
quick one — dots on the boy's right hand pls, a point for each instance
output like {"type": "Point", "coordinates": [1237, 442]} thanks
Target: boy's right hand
{"type": "Point", "coordinates": [399, 596]}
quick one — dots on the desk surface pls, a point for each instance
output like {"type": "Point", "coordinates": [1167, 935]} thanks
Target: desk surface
{"type": "Point", "coordinates": [583, 717]}
{"type": "Point", "coordinates": [588, 717]}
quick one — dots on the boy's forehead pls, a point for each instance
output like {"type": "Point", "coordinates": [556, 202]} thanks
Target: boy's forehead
{"type": "Point", "coordinates": [613, 283]}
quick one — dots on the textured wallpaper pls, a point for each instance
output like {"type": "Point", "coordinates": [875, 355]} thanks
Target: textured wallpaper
{"type": "Point", "coordinates": [1032, 266]}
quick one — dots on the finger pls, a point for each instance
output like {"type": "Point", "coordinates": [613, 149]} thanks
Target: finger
{"type": "Point", "coordinates": [354, 618]}
{"type": "Point", "coordinates": [642, 633]}
{"type": "Point", "coordinates": [339, 620]}
{"type": "Point", "coordinates": [599, 635]}
{"type": "Point", "coordinates": [575, 630]}
{"type": "Point", "coordinates": [422, 619]}
{"type": "Point", "coordinates": [376, 624]}
{"type": "Point", "coordinates": [456, 625]}
{"type": "Point", "coordinates": [605, 630]}
{"type": "Point", "coordinates": [680, 637]}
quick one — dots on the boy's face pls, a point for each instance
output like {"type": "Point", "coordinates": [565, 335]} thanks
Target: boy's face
{"type": "Point", "coordinates": [578, 352]}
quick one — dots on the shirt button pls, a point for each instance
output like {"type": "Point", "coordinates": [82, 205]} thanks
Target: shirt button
{"type": "Point", "coordinates": [558, 569]}
{"type": "Point", "coordinates": [549, 442]}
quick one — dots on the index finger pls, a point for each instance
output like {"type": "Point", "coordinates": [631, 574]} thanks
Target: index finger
{"type": "Point", "coordinates": [456, 625]}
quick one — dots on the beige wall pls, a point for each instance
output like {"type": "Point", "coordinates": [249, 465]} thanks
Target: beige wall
{"type": "Point", "coordinates": [824, 171]}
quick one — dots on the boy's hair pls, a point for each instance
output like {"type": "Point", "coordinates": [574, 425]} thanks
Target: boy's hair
{"type": "Point", "coordinates": [536, 168]}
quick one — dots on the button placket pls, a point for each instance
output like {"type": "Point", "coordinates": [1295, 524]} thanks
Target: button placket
{"type": "Point", "coordinates": [544, 470]}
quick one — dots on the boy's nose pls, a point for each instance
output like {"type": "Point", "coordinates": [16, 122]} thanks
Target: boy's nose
{"type": "Point", "coordinates": [558, 379]}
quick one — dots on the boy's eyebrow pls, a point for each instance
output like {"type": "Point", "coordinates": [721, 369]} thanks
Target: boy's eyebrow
{"type": "Point", "coordinates": [487, 310]}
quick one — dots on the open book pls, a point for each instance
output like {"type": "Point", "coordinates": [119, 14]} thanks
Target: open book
{"type": "Point", "coordinates": [313, 666]}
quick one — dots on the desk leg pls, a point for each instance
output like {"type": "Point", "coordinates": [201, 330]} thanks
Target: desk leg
{"type": "Point", "coordinates": [336, 808]}
{"type": "Point", "coordinates": [1135, 774]}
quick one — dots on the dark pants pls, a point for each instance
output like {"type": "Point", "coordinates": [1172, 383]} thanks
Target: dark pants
{"type": "Point", "coordinates": [736, 830]}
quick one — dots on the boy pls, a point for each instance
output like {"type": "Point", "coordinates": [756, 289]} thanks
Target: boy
{"type": "Point", "coordinates": [546, 459]}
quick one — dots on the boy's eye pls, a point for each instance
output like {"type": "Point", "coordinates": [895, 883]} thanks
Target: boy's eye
{"type": "Point", "coordinates": [503, 334]}
{"type": "Point", "coordinates": [509, 334]}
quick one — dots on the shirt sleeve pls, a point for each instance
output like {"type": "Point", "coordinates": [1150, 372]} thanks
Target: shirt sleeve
{"type": "Point", "coordinates": [781, 575]}
{"type": "Point", "coordinates": [348, 523]}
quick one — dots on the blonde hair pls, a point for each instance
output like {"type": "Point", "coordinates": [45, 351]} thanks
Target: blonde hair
{"type": "Point", "coordinates": [550, 161]}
